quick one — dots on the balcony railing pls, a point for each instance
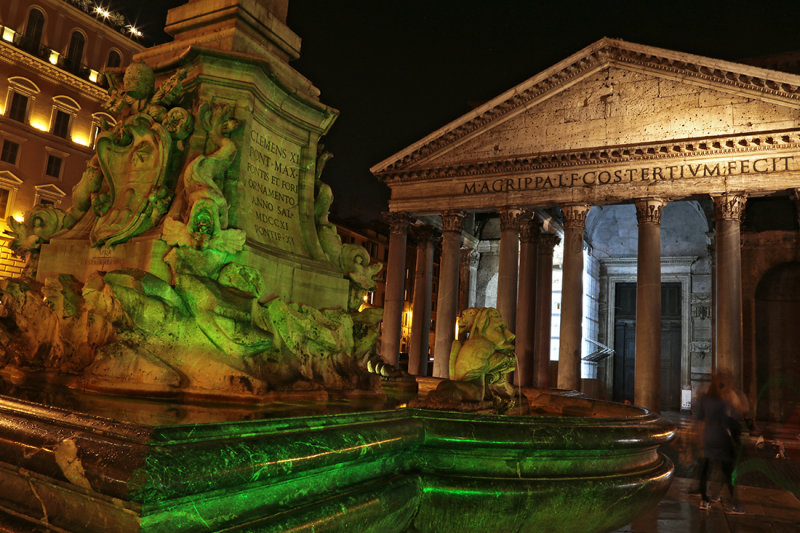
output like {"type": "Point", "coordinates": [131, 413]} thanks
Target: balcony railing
{"type": "Point", "coordinates": [53, 57]}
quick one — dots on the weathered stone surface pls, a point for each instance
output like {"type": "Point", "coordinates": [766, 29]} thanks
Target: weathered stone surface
{"type": "Point", "coordinates": [191, 468]}
{"type": "Point", "coordinates": [198, 258]}
{"type": "Point", "coordinates": [613, 122]}
{"type": "Point", "coordinates": [478, 366]}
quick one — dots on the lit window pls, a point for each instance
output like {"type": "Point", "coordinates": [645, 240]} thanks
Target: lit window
{"type": "Point", "coordinates": [10, 152]}
{"type": "Point", "coordinates": [100, 122]}
{"type": "Point", "coordinates": [20, 98]}
{"type": "Point", "coordinates": [19, 107]}
{"type": "Point", "coordinates": [4, 195]}
{"type": "Point", "coordinates": [61, 123]}
{"type": "Point", "coordinates": [48, 195]}
{"type": "Point", "coordinates": [9, 185]}
{"type": "Point", "coordinates": [53, 168]}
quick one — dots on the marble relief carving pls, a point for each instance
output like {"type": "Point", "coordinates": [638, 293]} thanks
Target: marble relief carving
{"type": "Point", "coordinates": [398, 221]}
{"type": "Point", "coordinates": [479, 365]}
{"type": "Point", "coordinates": [207, 326]}
{"type": "Point", "coordinates": [575, 215]}
{"type": "Point", "coordinates": [548, 241]}
{"type": "Point", "coordinates": [509, 219]}
{"type": "Point", "coordinates": [729, 206]}
{"type": "Point", "coordinates": [528, 226]}
{"type": "Point", "coordinates": [648, 210]}
{"type": "Point", "coordinates": [453, 221]}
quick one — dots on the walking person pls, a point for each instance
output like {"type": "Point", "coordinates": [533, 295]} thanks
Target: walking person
{"type": "Point", "coordinates": [720, 428]}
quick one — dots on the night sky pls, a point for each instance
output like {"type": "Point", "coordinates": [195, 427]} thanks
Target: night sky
{"type": "Point", "coordinates": [398, 70]}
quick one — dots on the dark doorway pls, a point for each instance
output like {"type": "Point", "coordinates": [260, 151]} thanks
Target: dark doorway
{"type": "Point", "coordinates": [777, 349]}
{"type": "Point", "coordinates": [624, 341]}
{"type": "Point", "coordinates": [625, 344]}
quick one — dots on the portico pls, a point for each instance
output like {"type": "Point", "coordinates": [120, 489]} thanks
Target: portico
{"type": "Point", "coordinates": [615, 124]}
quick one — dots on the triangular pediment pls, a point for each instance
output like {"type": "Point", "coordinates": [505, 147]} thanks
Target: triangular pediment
{"type": "Point", "coordinates": [611, 94]}
{"type": "Point", "coordinates": [8, 178]}
{"type": "Point", "coordinates": [49, 188]}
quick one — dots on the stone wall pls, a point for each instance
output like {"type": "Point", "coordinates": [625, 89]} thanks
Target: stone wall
{"type": "Point", "coordinates": [10, 265]}
{"type": "Point", "coordinates": [761, 252]}
{"type": "Point", "coordinates": [488, 267]}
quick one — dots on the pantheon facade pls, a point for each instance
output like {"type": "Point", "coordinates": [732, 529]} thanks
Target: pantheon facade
{"type": "Point", "coordinates": [671, 181]}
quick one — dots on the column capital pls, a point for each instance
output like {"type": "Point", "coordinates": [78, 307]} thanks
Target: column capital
{"type": "Point", "coordinates": [575, 215]}
{"type": "Point", "coordinates": [509, 218]}
{"type": "Point", "coordinates": [648, 210]}
{"type": "Point", "coordinates": [729, 206]}
{"type": "Point", "coordinates": [548, 241]}
{"type": "Point", "coordinates": [423, 233]}
{"type": "Point", "coordinates": [398, 221]}
{"type": "Point", "coordinates": [453, 221]}
{"type": "Point", "coordinates": [528, 226]}
{"type": "Point", "coordinates": [474, 259]}
{"type": "Point", "coordinates": [466, 254]}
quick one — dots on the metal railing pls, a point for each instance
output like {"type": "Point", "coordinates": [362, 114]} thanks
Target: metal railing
{"type": "Point", "coordinates": [20, 41]}
{"type": "Point", "coordinates": [601, 352]}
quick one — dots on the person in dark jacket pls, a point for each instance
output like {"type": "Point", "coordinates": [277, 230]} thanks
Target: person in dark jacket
{"type": "Point", "coordinates": [720, 431]}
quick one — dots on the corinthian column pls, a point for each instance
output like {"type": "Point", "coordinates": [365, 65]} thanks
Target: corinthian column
{"type": "Point", "coordinates": [647, 380]}
{"type": "Point", "coordinates": [447, 301]}
{"type": "Point", "coordinates": [395, 282]}
{"type": "Point", "coordinates": [509, 258]}
{"type": "Point", "coordinates": [728, 209]}
{"type": "Point", "coordinates": [526, 299]}
{"type": "Point", "coordinates": [544, 309]}
{"type": "Point", "coordinates": [569, 353]}
{"type": "Point", "coordinates": [421, 306]}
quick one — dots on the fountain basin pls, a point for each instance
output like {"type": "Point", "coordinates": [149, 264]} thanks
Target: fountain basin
{"type": "Point", "coordinates": [375, 470]}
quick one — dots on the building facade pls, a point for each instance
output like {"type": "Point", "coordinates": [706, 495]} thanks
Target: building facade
{"type": "Point", "coordinates": [52, 56]}
{"type": "Point", "coordinates": [664, 174]}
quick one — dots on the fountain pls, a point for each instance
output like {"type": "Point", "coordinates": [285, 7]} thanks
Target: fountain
{"type": "Point", "coordinates": [190, 355]}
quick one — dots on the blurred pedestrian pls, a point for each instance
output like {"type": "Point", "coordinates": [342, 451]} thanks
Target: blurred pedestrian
{"type": "Point", "coordinates": [720, 432]}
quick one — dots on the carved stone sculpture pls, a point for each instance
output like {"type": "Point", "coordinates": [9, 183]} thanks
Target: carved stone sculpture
{"type": "Point", "coordinates": [201, 320]}
{"type": "Point", "coordinates": [480, 364]}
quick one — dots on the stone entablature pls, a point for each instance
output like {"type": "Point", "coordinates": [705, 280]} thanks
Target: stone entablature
{"type": "Point", "coordinates": [611, 182]}
{"type": "Point", "coordinates": [638, 155]}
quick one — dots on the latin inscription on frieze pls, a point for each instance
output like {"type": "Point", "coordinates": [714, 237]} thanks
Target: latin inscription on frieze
{"type": "Point", "coordinates": [622, 176]}
{"type": "Point", "coordinates": [270, 176]}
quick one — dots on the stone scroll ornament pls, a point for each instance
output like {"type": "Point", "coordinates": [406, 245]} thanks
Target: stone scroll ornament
{"type": "Point", "coordinates": [127, 186]}
{"type": "Point", "coordinates": [209, 327]}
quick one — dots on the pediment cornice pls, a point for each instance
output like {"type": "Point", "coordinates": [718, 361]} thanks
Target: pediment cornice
{"type": "Point", "coordinates": [768, 84]}
{"type": "Point", "coordinates": [709, 147]}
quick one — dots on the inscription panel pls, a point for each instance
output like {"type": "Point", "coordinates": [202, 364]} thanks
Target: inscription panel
{"type": "Point", "coordinates": [672, 179]}
{"type": "Point", "coordinates": [269, 184]}
{"type": "Point", "coordinates": [650, 173]}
